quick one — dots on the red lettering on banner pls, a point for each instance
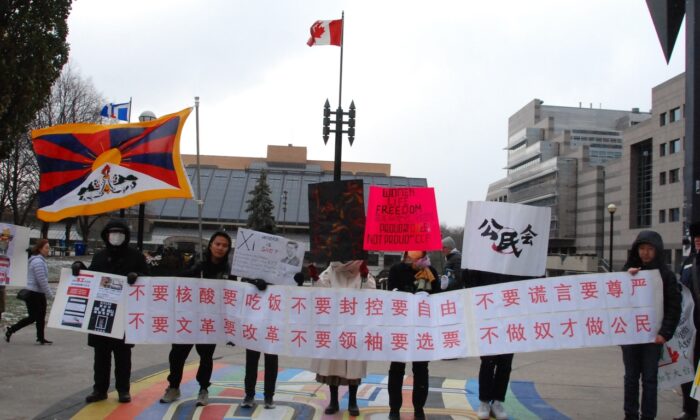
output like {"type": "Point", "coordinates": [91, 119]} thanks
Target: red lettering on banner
{"type": "Point", "coordinates": [348, 340]}
{"type": "Point", "coordinates": [348, 306]}
{"type": "Point", "coordinates": [642, 322]}
{"type": "Point", "coordinates": [589, 290]}
{"type": "Point", "coordinates": [299, 337]}
{"type": "Point", "coordinates": [252, 301]}
{"type": "Point", "coordinates": [614, 288]}
{"type": "Point", "coordinates": [448, 307]}
{"type": "Point", "coordinates": [206, 295]}
{"type": "Point", "coordinates": [272, 334]}
{"type": "Point", "coordinates": [423, 309]}
{"type": "Point", "coordinates": [274, 302]}
{"type": "Point", "coordinates": [207, 326]}
{"type": "Point", "coordinates": [184, 323]}
{"type": "Point", "coordinates": [542, 330]}
{"type": "Point", "coordinates": [160, 293]}
{"type": "Point", "coordinates": [399, 307]}
{"type": "Point", "coordinates": [137, 291]}
{"type": "Point", "coordinates": [399, 341]}
{"type": "Point", "coordinates": [136, 320]}
{"type": "Point", "coordinates": [373, 341]}
{"type": "Point", "coordinates": [638, 283]}
{"type": "Point", "coordinates": [229, 327]}
{"type": "Point", "coordinates": [569, 327]}
{"type": "Point", "coordinates": [323, 305]}
{"type": "Point", "coordinates": [183, 294]}
{"type": "Point", "coordinates": [516, 332]}
{"type": "Point", "coordinates": [299, 304]}
{"type": "Point", "coordinates": [594, 326]}
{"type": "Point", "coordinates": [450, 339]}
{"type": "Point", "coordinates": [510, 297]}
{"type": "Point", "coordinates": [489, 334]}
{"type": "Point", "coordinates": [563, 292]}
{"type": "Point", "coordinates": [425, 341]}
{"type": "Point", "coordinates": [538, 294]}
{"type": "Point", "coordinates": [485, 299]}
{"type": "Point", "coordinates": [249, 331]}
{"type": "Point", "coordinates": [374, 307]}
{"type": "Point", "coordinates": [619, 325]}
{"type": "Point", "coordinates": [160, 324]}
{"type": "Point", "coordinates": [230, 296]}
{"type": "Point", "coordinates": [323, 339]}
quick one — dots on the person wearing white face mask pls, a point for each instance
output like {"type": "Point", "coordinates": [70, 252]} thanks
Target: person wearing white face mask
{"type": "Point", "coordinates": [121, 259]}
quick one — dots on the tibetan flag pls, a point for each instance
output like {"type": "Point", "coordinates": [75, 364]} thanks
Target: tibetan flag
{"type": "Point", "coordinates": [116, 111]}
{"type": "Point", "coordinates": [90, 169]}
{"type": "Point", "coordinates": [326, 32]}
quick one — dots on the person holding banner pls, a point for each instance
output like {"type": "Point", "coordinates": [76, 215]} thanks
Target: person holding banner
{"type": "Point", "coordinates": [116, 258]}
{"type": "Point", "coordinates": [413, 275]}
{"type": "Point", "coordinates": [691, 279]}
{"type": "Point", "coordinates": [350, 275]}
{"type": "Point", "coordinates": [38, 286]}
{"type": "Point", "coordinates": [214, 265]}
{"type": "Point", "coordinates": [642, 360]}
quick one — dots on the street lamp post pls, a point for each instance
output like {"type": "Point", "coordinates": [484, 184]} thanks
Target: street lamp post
{"type": "Point", "coordinates": [339, 122]}
{"type": "Point", "coordinates": [611, 209]}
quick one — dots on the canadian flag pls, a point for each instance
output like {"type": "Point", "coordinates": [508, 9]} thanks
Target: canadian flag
{"type": "Point", "coordinates": [326, 32]}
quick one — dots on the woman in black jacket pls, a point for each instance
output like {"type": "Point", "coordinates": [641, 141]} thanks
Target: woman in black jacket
{"type": "Point", "coordinates": [642, 360]}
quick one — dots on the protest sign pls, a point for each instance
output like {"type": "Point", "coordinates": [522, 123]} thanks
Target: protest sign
{"type": "Point", "coordinates": [91, 302]}
{"type": "Point", "coordinates": [676, 362]}
{"type": "Point", "coordinates": [336, 221]}
{"type": "Point", "coordinates": [506, 238]}
{"type": "Point", "coordinates": [402, 219]}
{"type": "Point", "coordinates": [264, 256]}
{"type": "Point", "coordinates": [14, 241]}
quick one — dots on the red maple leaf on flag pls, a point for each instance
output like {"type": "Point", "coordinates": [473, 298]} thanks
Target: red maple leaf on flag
{"type": "Point", "coordinates": [317, 31]}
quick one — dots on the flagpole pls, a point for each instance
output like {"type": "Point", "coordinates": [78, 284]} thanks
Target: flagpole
{"type": "Point", "coordinates": [128, 117]}
{"type": "Point", "coordinates": [342, 43]}
{"type": "Point", "coordinates": [199, 185]}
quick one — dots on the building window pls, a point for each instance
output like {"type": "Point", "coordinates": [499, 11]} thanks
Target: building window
{"type": "Point", "coordinates": [662, 149]}
{"type": "Point", "coordinates": [641, 183]}
{"type": "Point", "coordinates": [673, 176]}
{"type": "Point", "coordinates": [674, 215]}
{"type": "Point", "coordinates": [662, 216]}
{"type": "Point", "coordinates": [662, 178]}
{"type": "Point", "coordinates": [674, 114]}
{"type": "Point", "coordinates": [674, 146]}
{"type": "Point", "coordinates": [662, 119]}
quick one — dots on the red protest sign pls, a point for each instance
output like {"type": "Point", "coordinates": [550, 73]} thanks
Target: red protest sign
{"type": "Point", "coordinates": [401, 219]}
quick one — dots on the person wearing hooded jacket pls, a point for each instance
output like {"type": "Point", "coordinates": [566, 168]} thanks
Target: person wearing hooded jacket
{"type": "Point", "coordinates": [642, 360]}
{"type": "Point", "coordinates": [116, 258]}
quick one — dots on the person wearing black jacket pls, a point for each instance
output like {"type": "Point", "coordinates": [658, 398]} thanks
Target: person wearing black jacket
{"type": "Point", "coordinates": [413, 275]}
{"type": "Point", "coordinates": [642, 360]}
{"type": "Point", "coordinates": [453, 264]}
{"type": "Point", "coordinates": [121, 259]}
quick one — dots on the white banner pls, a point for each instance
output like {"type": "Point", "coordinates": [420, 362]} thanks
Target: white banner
{"type": "Point", "coordinates": [506, 238]}
{"type": "Point", "coordinates": [14, 241]}
{"type": "Point", "coordinates": [534, 315]}
{"type": "Point", "coordinates": [676, 363]}
{"type": "Point", "coordinates": [272, 258]}
{"type": "Point", "coordinates": [91, 302]}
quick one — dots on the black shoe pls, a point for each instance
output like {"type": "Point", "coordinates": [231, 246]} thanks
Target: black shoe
{"type": "Point", "coordinates": [332, 408]}
{"type": "Point", "coordinates": [8, 334]}
{"type": "Point", "coordinates": [353, 410]}
{"type": "Point", "coordinates": [394, 415]}
{"type": "Point", "coordinates": [419, 414]}
{"type": "Point", "coordinates": [124, 397]}
{"type": "Point", "coordinates": [44, 341]}
{"type": "Point", "coordinates": [95, 396]}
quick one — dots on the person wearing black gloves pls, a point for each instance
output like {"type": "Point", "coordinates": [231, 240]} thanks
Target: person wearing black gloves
{"type": "Point", "coordinates": [413, 275]}
{"type": "Point", "coordinates": [121, 259]}
{"type": "Point", "coordinates": [214, 265]}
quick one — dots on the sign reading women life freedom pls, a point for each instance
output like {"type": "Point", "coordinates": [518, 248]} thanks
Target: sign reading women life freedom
{"type": "Point", "coordinates": [14, 241]}
{"type": "Point", "coordinates": [269, 257]}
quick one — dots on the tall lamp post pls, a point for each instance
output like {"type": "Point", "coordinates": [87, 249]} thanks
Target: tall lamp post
{"type": "Point", "coordinates": [611, 209]}
{"type": "Point", "coordinates": [338, 123]}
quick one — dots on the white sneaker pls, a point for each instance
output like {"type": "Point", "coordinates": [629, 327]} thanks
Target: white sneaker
{"type": "Point", "coordinates": [499, 411]}
{"type": "Point", "coordinates": [202, 398]}
{"type": "Point", "coordinates": [484, 411]}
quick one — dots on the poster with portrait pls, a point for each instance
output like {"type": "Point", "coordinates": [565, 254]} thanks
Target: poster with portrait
{"type": "Point", "coordinates": [337, 221]}
{"type": "Point", "coordinates": [14, 241]}
{"type": "Point", "coordinates": [90, 302]}
{"type": "Point", "coordinates": [272, 258]}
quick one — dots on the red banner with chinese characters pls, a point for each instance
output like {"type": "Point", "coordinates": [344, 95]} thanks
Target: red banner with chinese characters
{"type": "Point", "coordinates": [402, 219]}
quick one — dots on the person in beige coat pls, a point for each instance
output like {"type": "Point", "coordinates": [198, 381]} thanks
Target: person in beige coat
{"type": "Point", "coordinates": [352, 275]}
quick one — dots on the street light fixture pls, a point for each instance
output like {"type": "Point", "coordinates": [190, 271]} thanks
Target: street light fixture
{"type": "Point", "coordinates": [338, 124]}
{"type": "Point", "coordinates": [612, 208]}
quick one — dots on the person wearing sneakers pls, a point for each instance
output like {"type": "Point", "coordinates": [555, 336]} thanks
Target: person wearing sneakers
{"type": "Point", "coordinates": [214, 265]}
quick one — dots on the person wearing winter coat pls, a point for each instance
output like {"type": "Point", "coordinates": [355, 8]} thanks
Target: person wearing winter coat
{"type": "Point", "coordinates": [642, 360]}
{"type": "Point", "coordinates": [453, 265]}
{"type": "Point", "coordinates": [349, 275]}
{"type": "Point", "coordinates": [116, 258]}
{"type": "Point", "coordinates": [38, 285]}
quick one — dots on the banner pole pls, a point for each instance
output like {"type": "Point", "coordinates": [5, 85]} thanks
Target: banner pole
{"type": "Point", "coordinates": [199, 186]}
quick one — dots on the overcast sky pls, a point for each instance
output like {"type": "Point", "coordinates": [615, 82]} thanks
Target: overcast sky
{"type": "Point", "coordinates": [434, 82]}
